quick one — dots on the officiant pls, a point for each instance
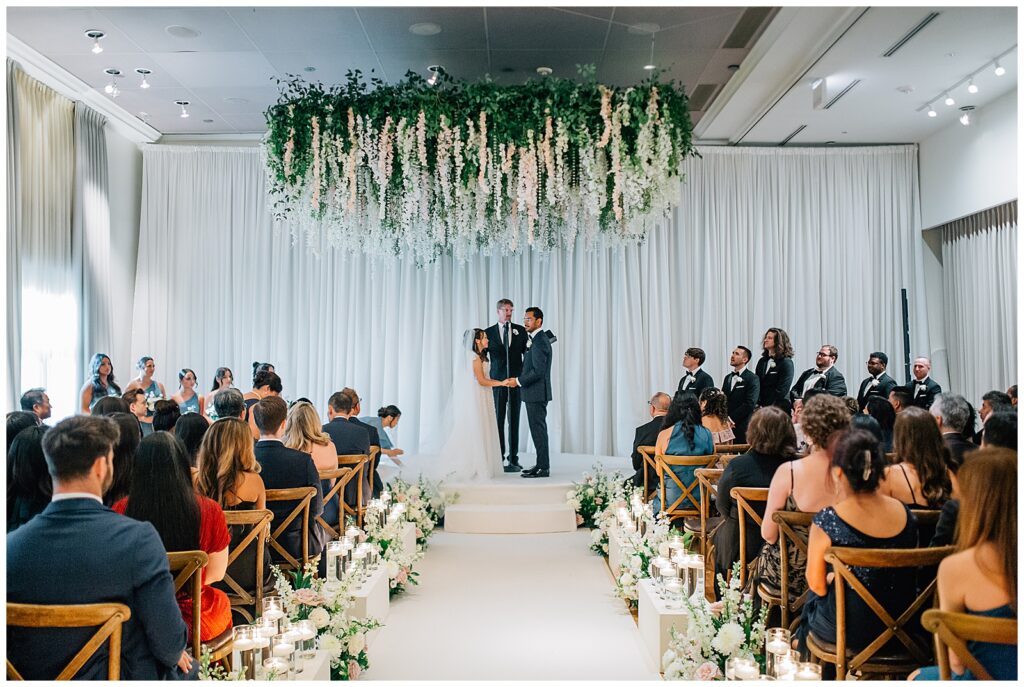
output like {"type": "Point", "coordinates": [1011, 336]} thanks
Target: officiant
{"type": "Point", "coordinates": [506, 345]}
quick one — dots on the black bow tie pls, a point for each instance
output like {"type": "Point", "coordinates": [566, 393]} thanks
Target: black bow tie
{"type": "Point", "coordinates": [919, 382]}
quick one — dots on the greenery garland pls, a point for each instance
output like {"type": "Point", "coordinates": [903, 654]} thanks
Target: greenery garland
{"type": "Point", "coordinates": [417, 170]}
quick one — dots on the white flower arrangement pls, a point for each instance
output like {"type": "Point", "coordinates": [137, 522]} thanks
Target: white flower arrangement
{"type": "Point", "coordinates": [592, 496]}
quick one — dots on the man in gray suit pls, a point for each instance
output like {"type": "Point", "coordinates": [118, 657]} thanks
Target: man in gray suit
{"type": "Point", "coordinates": [536, 384]}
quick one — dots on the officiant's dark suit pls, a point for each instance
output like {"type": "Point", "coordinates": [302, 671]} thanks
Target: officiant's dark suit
{"type": "Point", "coordinates": [536, 385]}
{"type": "Point", "coordinates": [506, 346]}
{"type": "Point", "coordinates": [741, 396]}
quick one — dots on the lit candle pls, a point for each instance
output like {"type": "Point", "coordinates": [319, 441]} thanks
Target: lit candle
{"type": "Point", "coordinates": [744, 669]}
{"type": "Point", "coordinates": [276, 668]}
{"type": "Point", "coordinates": [776, 643]}
{"type": "Point", "coordinates": [808, 671]}
{"type": "Point", "coordinates": [244, 651]}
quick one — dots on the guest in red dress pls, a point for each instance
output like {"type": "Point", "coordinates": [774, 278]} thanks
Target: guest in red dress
{"type": "Point", "coordinates": [162, 494]}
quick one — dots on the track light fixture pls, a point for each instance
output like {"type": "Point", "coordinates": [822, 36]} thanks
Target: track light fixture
{"type": "Point", "coordinates": [143, 73]}
{"type": "Point", "coordinates": [949, 100]}
{"type": "Point", "coordinates": [95, 35]}
{"type": "Point", "coordinates": [999, 70]}
{"type": "Point", "coordinates": [931, 111]}
{"type": "Point", "coordinates": [650, 66]}
{"type": "Point", "coordinates": [184, 104]}
{"type": "Point", "coordinates": [971, 88]}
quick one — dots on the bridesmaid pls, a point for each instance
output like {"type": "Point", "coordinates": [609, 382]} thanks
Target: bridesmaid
{"type": "Point", "coordinates": [222, 379]}
{"type": "Point", "coordinates": [153, 389]}
{"type": "Point", "coordinates": [188, 400]}
{"type": "Point", "coordinates": [99, 385]}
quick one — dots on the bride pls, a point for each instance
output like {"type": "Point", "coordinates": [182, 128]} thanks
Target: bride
{"type": "Point", "coordinates": [466, 449]}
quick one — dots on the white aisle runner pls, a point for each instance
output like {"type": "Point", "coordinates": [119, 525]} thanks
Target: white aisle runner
{"type": "Point", "coordinates": [510, 607]}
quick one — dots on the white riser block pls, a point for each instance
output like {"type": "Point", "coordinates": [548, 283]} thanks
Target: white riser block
{"type": "Point", "coordinates": [519, 493]}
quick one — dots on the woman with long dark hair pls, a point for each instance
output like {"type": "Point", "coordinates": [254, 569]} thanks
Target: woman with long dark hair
{"type": "Point", "coordinates": [190, 429]}
{"type": "Point", "coordinates": [880, 409]}
{"type": "Point", "coordinates": [224, 378]}
{"type": "Point", "coordinates": [124, 456]}
{"type": "Point", "coordinates": [187, 398]}
{"type": "Point", "coordinates": [100, 383]}
{"type": "Point", "coordinates": [921, 478]}
{"type": "Point", "coordinates": [775, 368]}
{"type": "Point", "coordinates": [162, 494]}
{"type": "Point", "coordinates": [682, 434]}
{"type": "Point", "coordinates": [29, 487]}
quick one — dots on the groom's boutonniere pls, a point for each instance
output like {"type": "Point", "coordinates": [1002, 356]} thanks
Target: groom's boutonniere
{"type": "Point", "coordinates": [529, 342]}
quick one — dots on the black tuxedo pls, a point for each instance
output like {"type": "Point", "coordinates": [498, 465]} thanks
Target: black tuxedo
{"type": "Point", "coordinates": [378, 485]}
{"type": "Point", "coordinates": [646, 435]}
{"type": "Point", "coordinates": [78, 551]}
{"type": "Point", "coordinates": [882, 389]}
{"type": "Point", "coordinates": [349, 439]}
{"type": "Point", "coordinates": [925, 397]}
{"type": "Point", "coordinates": [536, 384]}
{"type": "Point", "coordinates": [702, 380]}
{"type": "Point", "coordinates": [958, 446]}
{"type": "Point", "coordinates": [505, 364]}
{"type": "Point", "coordinates": [285, 468]}
{"type": "Point", "coordinates": [833, 383]}
{"type": "Point", "coordinates": [742, 398]}
{"type": "Point", "coordinates": [775, 379]}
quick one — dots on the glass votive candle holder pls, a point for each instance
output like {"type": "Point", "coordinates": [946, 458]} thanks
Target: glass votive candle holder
{"type": "Point", "coordinates": [294, 635]}
{"type": "Point", "coordinates": [786, 665]}
{"type": "Point", "coordinates": [275, 668]}
{"type": "Point", "coordinates": [674, 593]}
{"type": "Point", "coordinates": [307, 633]}
{"type": "Point", "coordinates": [741, 668]}
{"type": "Point", "coordinates": [776, 642]}
{"type": "Point", "coordinates": [273, 609]}
{"type": "Point", "coordinates": [334, 550]}
{"type": "Point", "coordinates": [282, 646]}
{"type": "Point", "coordinates": [808, 671]}
{"type": "Point", "coordinates": [655, 566]}
{"type": "Point", "coordinates": [243, 651]}
{"type": "Point", "coordinates": [261, 636]}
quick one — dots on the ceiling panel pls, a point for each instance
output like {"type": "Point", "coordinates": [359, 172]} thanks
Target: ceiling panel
{"type": "Point", "coordinates": [247, 123]}
{"type": "Point", "coordinates": [147, 26]}
{"type": "Point", "coordinates": [331, 66]}
{"type": "Point", "coordinates": [540, 28]}
{"type": "Point", "coordinates": [462, 64]}
{"type": "Point", "coordinates": [323, 28]}
{"type": "Point", "coordinates": [49, 31]}
{"type": "Point", "coordinates": [708, 33]}
{"type": "Point", "coordinates": [626, 67]}
{"type": "Point", "coordinates": [229, 100]}
{"type": "Point", "coordinates": [562, 62]}
{"type": "Point", "coordinates": [90, 69]}
{"type": "Point", "coordinates": [388, 27]}
{"type": "Point", "coordinates": [203, 69]}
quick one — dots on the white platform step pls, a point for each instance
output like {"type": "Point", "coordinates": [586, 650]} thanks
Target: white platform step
{"type": "Point", "coordinates": [530, 518]}
{"type": "Point", "coordinates": [517, 492]}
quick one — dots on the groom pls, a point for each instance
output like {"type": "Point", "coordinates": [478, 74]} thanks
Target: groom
{"type": "Point", "coordinates": [536, 384]}
{"type": "Point", "coordinates": [506, 344]}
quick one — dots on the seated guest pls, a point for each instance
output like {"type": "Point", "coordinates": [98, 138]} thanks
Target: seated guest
{"type": "Point", "coordinates": [137, 406]}
{"type": "Point", "coordinates": [349, 439]}
{"type": "Point", "coordinates": [254, 395]}
{"type": "Point", "coordinates": [862, 517]}
{"type": "Point", "coordinates": [165, 416]}
{"type": "Point", "coordinates": [992, 402]}
{"type": "Point", "coordinates": [38, 401]}
{"type": "Point", "coordinates": [100, 383]}
{"type": "Point", "coordinates": [803, 485]}
{"type": "Point", "coordinates": [851, 403]}
{"type": "Point", "coordinates": [285, 468]}
{"type": "Point", "coordinates": [229, 403]}
{"type": "Point", "coordinates": [772, 443]}
{"type": "Point", "coordinates": [265, 384]}
{"type": "Point", "coordinates": [694, 379]}
{"type": "Point", "coordinates": [230, 475]}
{"type": "Point", "coordinates": [162, 495]}
{"type": "Point", "coordinates": [28, 483]}
{"type": "Point", "coordinates": [387, 417]}
{"type": "Point", "coordinates": [682, 435]}
{"type": "Point", "coordinates": [647, 435]}
{"type": "Point", "coordinates": [741, 388]}
{"type": "Point", "coordinates": [922, 388]}
{"type": "Point", "coordinates": [775, 368]}
{"type": "Point", "coordinates": [981, 578]}
{"type": "Point", "coordinates": [124, 456]}
{"type": "Point", "coordinates": [868, 424]}
{"type": "Point", "coordinates": [109, 405]}
{"type": "Point", "coordinates": [1011, 392]}
{"type": "Point", "coordinates": [823, 375]}
{"type": "Point", "coordinates": [1001, 430]}
{"type": "Point", "coordinates": [880, 409]}
{"type": "Point", "coordinates": [190, 429]}
{"type": "Point", "coordinates": [951, 414]}
{"type": "Point", "coordinates": [188, 398]}
{"type": "Point", "coordinates": [303, 432]}
{"type": "Point", "coordinates": [900, 399]}
{"type": "Point", "coordinates": [378, 484]}
{"type": "Point", "coordinates": [878, 382]}
{"type": "Point", "coordinates": [714, 415]}
{"type": "Point", "coordinates": [18, 420]}
{"type": "Point", "coordinates": [78, 552]}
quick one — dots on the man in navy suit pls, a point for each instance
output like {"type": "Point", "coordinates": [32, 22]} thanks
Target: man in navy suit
{"type": "Point", "coordinates": [78, 551]}
{"type": "Point", "coordinates": [536, 385]}
{"type": "Point", "coordinates": [694, 379]}
{"type": "Point", "coordinates": [372, 433]}
{"type": "Point", "coordinates": [285, 468]}
{"type": "Point", "coordinates": [506, 346]}
{"type": "Point", "coordinates": [349, 439]}
{"type": "Point", "coordinates": [742, 389]}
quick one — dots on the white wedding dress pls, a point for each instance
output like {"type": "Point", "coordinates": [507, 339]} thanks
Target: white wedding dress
{"type": "Point", "coordinates": [466, 447]}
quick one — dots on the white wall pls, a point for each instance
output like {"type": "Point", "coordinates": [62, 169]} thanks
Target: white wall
{"type": "Point", "coordinates": [965, 169]}
{"type": "Point", "coordinates": [124, 163]}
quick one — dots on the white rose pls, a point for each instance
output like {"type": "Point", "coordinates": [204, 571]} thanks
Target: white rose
{"type": "Point", "coordinates": [356, 643]}
{"type": "Point", "coordinates": [667, 658]}
{"type": "Point", "coordinates": [674, 671]}
{"type": "Point", "coordinates": [320, 617]}
{"type": "Point", "coordinates": [663, 549]}
{"type": "Point", "coordinates": [590, 491]}
{"type": "Point", "coordinates": [570, 494]}
{"type": "Point", "coordinates": [596, 535]}
{"type": "Point", "coordinates": [635, 563]}
{"type": "Point", "coordinates": [626, 579]}
{"type": "Point", "coordinates": [415, 492]}
{"type": "Point", "coordinates": [393, 569]}
{"type": "Point", "coordinates": [729, 639]}
{"type": "Point", "coordinates": [331, 645]}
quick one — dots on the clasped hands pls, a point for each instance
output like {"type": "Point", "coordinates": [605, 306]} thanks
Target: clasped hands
{"type": "Point", "coordinates": [510, 382]}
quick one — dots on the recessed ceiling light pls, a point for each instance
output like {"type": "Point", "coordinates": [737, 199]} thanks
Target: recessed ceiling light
{"type": "Point", "coordinates": [111, 88]}
{"type": "Point", "coordinates": [650, 67]}
{"type": "Point", "coordinates": [236, 101]}
{"type": "Point", "coordinates": [544, 71]}
{"type": "Point", "coordinates": [183, 104]}
{"type": "Point", "coordinates": [111, 71]}
{"type": "Point", "coordinates": [95, 35]}
{"type": "Point", "coordinates": [907, 89]}
{"type": "Point", "coordinates": [179, 31]}
{"type": "Point", "coordinates": [644, 28]}
{"type": "Point", "coordinates": [733, 67]}
{"type": "Point", "coordinates": [932, 112]}
{"type": "Point", "coordinates": [427, 28]}
{"type": "Point", "coordinates": [143, 73]}
{"type": "Point", "coordinates": [435, 73]}
{"type": "Point", "coordinates": [965, 118]}
{"type": "Point", "coordinates": [309, 69]}
{"type": "Point", "coordinates": [830, 143]}
{"type": "Point", "coordinates": [207, 121]}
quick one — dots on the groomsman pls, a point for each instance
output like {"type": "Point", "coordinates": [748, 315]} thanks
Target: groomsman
{"type": "Point", "coordinates": [922, 388]}
{"type": "Point", "coordinates": [506, 346]}
{"type": "Point", "coordinates": [694, 379]}
{"type": "Point", "coordinates": [822, 376]}
{"type": "Point", "coordinates": [879, 383]}
{"type": "Point", "coordinates": [742, 388]}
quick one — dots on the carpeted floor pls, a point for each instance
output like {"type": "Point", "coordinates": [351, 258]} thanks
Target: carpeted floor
{"type": "Point", "coordinates": [510, 607]}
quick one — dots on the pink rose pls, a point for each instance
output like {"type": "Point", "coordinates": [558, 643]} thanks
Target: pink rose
{"type": "Point", "coordinates": [308, 597]}
{"type": "Point", "coordinates": [401, 498]}
{"type": "Point", "coordinates": [706, 671]}
{"type": "Point", "coordinates": [579, 519]}
{"type": "Point", "coordinates": [598, 501]}
{"type": "Point", "coordinates": [716, 608]}
{"type": "Point", "coordinates": [419, 533]}
{"type": "Point", "coordinates": [402, 577]}
{"type": "Point", "coordinates": [354, 670]}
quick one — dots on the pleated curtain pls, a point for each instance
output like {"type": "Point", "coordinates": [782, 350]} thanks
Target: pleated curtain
{"type": "Point", "coordinates": [819, 242]}
{"type": "Point", "coordinates": [979, 255]}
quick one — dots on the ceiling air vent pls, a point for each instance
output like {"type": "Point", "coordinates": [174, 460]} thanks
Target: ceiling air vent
{"type": "Point", "coordinates": [747, 26]}
{"type": "Point", "coordinates": [701, 96]}
{"type": "Point", "coordinates": [790, 137]}
{"type": "Point", "coordinates": [910, 34]}
{"type": "Point", "coordinates": [841, 93]}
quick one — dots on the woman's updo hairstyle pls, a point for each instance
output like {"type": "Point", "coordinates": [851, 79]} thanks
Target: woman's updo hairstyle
{"type": "Point", "coordinates": [859, 455]}
{"type": "Point", "coordinates": [388, 411]}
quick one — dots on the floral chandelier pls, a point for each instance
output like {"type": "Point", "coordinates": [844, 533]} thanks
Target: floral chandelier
{"type": "Point", "coordinates": [460, 168]}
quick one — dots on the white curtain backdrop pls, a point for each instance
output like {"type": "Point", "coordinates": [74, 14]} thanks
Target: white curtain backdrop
{"type": "Point", "coordinates": [817, 242]}
{"type": "Point", "coordinates": [979, 256]}
{"type": "Point", "coordinates": [13, 349]}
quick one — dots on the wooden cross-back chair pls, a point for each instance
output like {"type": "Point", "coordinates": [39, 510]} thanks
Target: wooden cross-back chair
{"type": "Point", "coordinates": [793, 533]}
{"type": "Point", "coordinates": [876, 658]}
{"type": "Point", "coordinates": [707, 481]}
{"type": "Point", "coordinates": [687, 504]}
{"type": "Point", "coordinates": [357, 462]}
{"type": "Point", "coordinates": [187, 568]}
{"type": "Point", "coordinates": [952, 632]}
{"type": "Point", "coordinates": [650, 466]}
{"type": "Point", "coordinates": [302, 496]}
{"type": "Point", "coordinates": [371, 465]}
{"type": "Point", "coordinates": [258, 522]}
{"type": "Point", "coordinates": [341, 477]}
{"type": "Point", "coordinates": [108, 617]}
{"type": "Point", "coordinates": [744, 496]}
{"type": "Point", "coordinates": [726, 452]}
